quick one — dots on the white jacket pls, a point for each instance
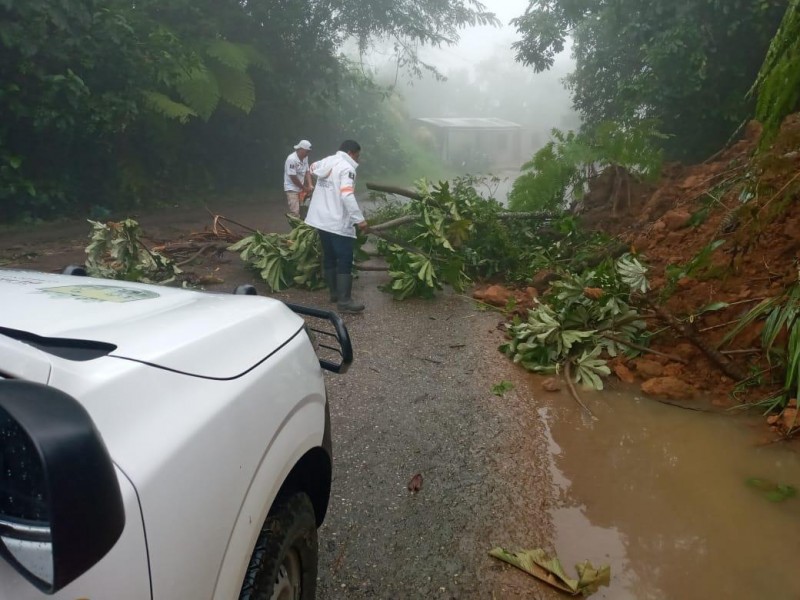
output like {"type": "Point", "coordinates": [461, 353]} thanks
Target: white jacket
{"type": "Point", "coordinates": [333, 205]}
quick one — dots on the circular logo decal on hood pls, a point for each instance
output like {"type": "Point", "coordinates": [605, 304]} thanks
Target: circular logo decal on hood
{"type": "Point", "coordinates": [100, 293]}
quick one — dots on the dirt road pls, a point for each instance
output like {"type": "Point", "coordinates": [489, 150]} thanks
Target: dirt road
{"type": "Point", "coordinates": [417, 400]}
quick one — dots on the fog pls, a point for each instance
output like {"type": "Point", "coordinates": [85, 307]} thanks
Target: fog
{"type": "Point", "coordinates": [481, 78]}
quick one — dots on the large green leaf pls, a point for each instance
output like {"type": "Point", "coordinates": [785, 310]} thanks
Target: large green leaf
{"type": "Point", "coordinates": [633, 274]}
{"type": "Point", "coordinates": [233, 56]}
{"type": "Point", "coordinates": [200, 90]}
{"type": "Point", "coordinates": [590, 369]}
{"type": "Point", "coordinates": [548, 569]}
{"type": "Point", "coordinates": [167, 107]}
{"type": "Point", "coordinates": [235, 87]}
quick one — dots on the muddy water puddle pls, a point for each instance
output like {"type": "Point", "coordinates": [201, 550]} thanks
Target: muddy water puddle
{"type": "Point", "coordinates": [662, 495]}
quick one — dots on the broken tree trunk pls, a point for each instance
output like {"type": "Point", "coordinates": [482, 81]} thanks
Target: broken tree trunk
{"type": "Point", "coordinates": [413, 195]}
{"type": "Point", "coordinates": [393, 223]}
{"type": "Point", "coordinates": [393, 189]}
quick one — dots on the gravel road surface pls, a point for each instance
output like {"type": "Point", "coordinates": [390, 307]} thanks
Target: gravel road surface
{"type": "Point", "coordinates": [418, 399]}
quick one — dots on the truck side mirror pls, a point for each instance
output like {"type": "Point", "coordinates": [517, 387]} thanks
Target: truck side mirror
{"type": "Point", "coordinates": [61, 508]}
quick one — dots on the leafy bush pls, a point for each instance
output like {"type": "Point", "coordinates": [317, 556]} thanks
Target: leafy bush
{"type": "Point", "coordinates": [583, 316]}
{"type": "Point", "coordinates": [781, 315]}
{"type": "Point", "coordinates": [284, 260]}
{"type": "Point", "coordinates": [558, 173]}
{"type": "Point", "coordinates": [778, 83]}
{"type": "Point", "coordinates": [116, 251]}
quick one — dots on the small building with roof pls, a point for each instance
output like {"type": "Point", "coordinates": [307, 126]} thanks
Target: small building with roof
{"type": "Point", "coordinates": [475, 143]}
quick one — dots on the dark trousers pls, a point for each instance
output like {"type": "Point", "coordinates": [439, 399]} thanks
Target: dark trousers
{"type": "Point", "coordinates": [337, 252]}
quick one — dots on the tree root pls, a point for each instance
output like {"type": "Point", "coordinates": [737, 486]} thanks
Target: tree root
{"type": "Point", "coordinates": [573, 391]}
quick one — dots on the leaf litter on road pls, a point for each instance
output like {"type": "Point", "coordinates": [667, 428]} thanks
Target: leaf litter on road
{"type": "Point", "coordinates": [548, 569]}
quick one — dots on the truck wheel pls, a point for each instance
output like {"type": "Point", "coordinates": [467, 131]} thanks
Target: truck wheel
{"type": "Point", "coordinates": [284, 562]}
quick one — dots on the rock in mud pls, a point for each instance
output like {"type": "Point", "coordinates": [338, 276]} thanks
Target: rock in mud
{"type": "Point", "coordinates": [675, 219]}
{"type": "Point", "coordinates": [673, 370]}
{"type": "Point", "coordinates": [624, 373]}
{"type": "Point", "coordinates": [789, 419]}
{"type": "Point", "coordinates": [551, 384]}
{"type": "Point", "coordinates": [668, 387]}
{"type": "Point", "coordinates": [496, 295]}
{"type": "Point", "coordinates": [647, 369]}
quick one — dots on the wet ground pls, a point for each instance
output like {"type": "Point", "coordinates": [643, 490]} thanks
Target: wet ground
{"type": "Point", "coordinates": [657, 492]}
{"type": "Point", "coordinates": [662, 495]}
{"type": "Point", "coordinates": [418, 399]}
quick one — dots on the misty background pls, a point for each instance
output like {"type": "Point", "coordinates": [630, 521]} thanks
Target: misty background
{"type": "Point", "coordinates": [205, 99]}
{"type": "Point", "coordinates": [479, 77]}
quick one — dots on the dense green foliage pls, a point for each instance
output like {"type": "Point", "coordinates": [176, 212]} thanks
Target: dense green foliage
{"type": "Point", "coordinates": [572, 324]}
{"type": "Point", "coordinates": [780, 339]}
{"type": "Point", "coordinates": [116, 251]}
{"type": "Point", "coordinates": [69, 80]}
{"type": "Point", "coordinates": [687, 65]}
{"type": "Point", "coordinates": [454, 235]}
{"type": "Point", "coordinates": [778, 83]}
{"type": "Point", "coordinates": [284, 260]}
{"type": "Point", "coordinates": [559, 172]}
{"type": "Point", "coordinates": [113, 103]}
{"type": "Point", "coordinates": [449, 236]}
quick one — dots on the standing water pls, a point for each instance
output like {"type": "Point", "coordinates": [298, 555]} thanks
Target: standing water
{"type": "Point", "coordinates": [662, 495]}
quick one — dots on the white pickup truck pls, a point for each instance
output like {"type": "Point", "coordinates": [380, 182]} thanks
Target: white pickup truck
{"type": "Point", "coordinates": [159, 443]}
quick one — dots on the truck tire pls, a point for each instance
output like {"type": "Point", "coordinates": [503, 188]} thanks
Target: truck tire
{"type": "Point", "coordinates": [284, 562]}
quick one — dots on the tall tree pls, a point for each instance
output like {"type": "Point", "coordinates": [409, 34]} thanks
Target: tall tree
{"type": "Point", "coordinates": [71, 74]}
{"type": "Point", "coordinates": [778, 83]}
{"type": "Point", "coordinates": [108, 102]}
{"type": "Point", "coordinates": [687, 65]}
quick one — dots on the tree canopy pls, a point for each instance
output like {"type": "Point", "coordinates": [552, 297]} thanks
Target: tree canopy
{"type": "Point", "coordinates": [686, 65]}
{"type": "Point", "coordinates": [112, 103]}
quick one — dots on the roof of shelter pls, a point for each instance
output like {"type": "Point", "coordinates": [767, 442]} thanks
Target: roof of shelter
{"type": "Point", "coordinates": [469, 123]}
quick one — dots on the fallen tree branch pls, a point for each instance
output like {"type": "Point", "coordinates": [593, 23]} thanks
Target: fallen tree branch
{"type": "Point", "coordinates": [377, 268]}
{"type": "Point", "coordinates": [727, 367]}
{"type": "Point", "coordinates": [414, 195]}
{"type": "Point", "coordinates": [573, 391]}
{"type": "Point", "coordinates": [218, 218]}
{"type": "Point", "coordinates": [503, 216]}
{"type": "Point", "coordinates": [511, 215]}
{"type": "Point", "coordinates": [693, 408]}
{"type": "Point", "coordinates": [645, 349]}
{"type": "Point", "coordinates": [201, 250]}
{"type": "Point", "coordinates": [393, 223]}
{"type": "Point", "coordinates": [393, 240]}
{"type": "Point", "coordinates": [392, 189]}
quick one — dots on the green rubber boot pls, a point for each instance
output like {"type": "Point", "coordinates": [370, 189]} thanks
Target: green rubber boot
{"type": "Point", "coordinates": [344, 287]}
{"type": "Point", "coordinates": [330, 281]}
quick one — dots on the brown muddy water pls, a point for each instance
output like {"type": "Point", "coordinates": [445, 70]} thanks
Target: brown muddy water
{"type": "Point", "coordinates": [661, 494]}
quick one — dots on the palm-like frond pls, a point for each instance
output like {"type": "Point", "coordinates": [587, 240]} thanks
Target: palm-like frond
{"type": "Point", "coordinates": [200, 90]}
{"type": "Point", "coordinates": [235, 87]}
{"type": "Point", "coordinates": [167, 107]}
{"type": "Point", "coordinates": [220, 74]}
{"type": "Point", "coordinates": [234, 56]}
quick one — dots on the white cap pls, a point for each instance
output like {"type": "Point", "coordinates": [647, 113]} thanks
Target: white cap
{"type": "Point", "coordinates": [304, 144]}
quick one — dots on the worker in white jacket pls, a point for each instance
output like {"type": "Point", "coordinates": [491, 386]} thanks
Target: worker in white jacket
{"type": "Point", "coordinates": [335, 213]}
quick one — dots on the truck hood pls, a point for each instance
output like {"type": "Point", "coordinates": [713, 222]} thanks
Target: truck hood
{"type": "Point", "coordinates": [209, 335]}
